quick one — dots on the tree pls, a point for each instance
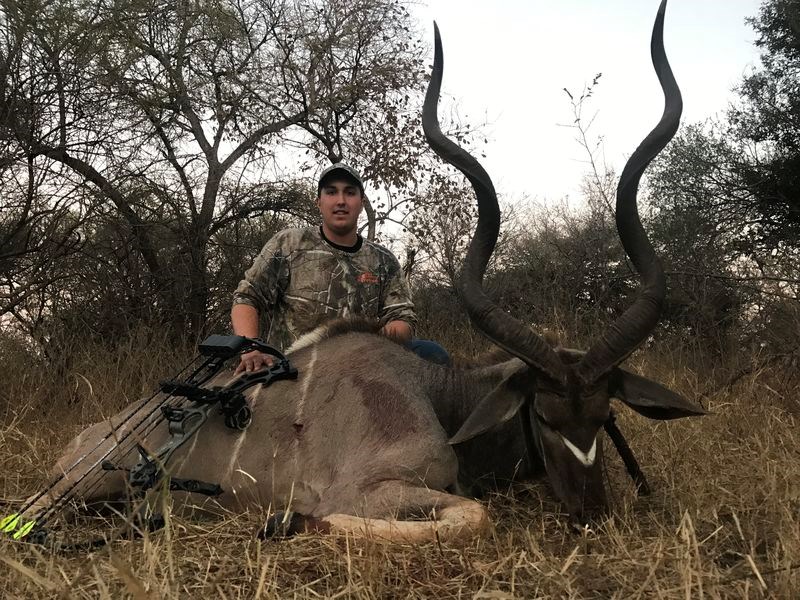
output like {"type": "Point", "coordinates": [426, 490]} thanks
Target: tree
{"type": "Point", "coordinates": [40, 229]}
{"type": "Point", "coordinates": [746, 170]}
{"type": "Point", "coordinates": [768, 122]}
{"type": "Point", "coordinates": [175, 118]}
{"type": "Point", "coordinates": [726, 194]}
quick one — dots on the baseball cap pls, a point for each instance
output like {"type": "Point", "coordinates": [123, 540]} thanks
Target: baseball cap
{"type": "Point", "coordinates": [340, 169]}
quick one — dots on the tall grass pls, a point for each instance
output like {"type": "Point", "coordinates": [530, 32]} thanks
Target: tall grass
{"type": "Point", "coordinates": [723, 520]}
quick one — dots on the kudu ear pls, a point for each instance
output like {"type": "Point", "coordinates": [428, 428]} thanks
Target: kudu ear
{"type": "Point", "coordinates": [649, 398]}
{"type": "Point", "coordinates": [499, 405]}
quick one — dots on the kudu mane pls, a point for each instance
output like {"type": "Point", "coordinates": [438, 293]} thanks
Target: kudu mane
{"type": "Point", "coordinates": [344, 325]}
{"type": "Point", "coordinates": [335, 328]}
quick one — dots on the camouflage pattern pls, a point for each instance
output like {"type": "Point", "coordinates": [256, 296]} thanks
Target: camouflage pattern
{"type": "Point", "coordinates": [299, 280]}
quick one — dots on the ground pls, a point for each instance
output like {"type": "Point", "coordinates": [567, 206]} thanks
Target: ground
{"type": "Point", "coordinates": [723, 520]}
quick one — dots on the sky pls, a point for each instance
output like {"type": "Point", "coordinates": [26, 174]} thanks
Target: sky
{"type": "Point", "coordinates": [508, 61]}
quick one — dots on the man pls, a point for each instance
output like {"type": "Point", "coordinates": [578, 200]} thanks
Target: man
{"type": "Point", "coordinates": [307, 275]}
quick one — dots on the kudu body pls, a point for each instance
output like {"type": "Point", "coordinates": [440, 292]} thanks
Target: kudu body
{"type": "Point", "coordinates": [358, 442]}
{"type": "Point", "coordinates": [370, 434]}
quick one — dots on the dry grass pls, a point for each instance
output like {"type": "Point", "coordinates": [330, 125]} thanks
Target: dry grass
{"type": "Point", "coordinates": [723, 521]}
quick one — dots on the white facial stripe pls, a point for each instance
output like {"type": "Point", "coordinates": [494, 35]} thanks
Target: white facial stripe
{"type": "Point", "coordinates": [586, 458]}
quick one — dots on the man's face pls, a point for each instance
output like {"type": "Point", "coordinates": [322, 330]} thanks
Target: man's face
{"type": "Point", "coordinates": [340, 204]}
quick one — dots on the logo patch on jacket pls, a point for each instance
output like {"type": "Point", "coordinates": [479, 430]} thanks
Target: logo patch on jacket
{"type": "Point", "coordinates": [367, 278]}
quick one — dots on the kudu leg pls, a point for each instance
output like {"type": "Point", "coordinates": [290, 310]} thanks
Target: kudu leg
{"type": "Point", "coordinates": [419, 515]}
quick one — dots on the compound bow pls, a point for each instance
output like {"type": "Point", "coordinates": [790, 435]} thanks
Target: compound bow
{"type": "Point", "coordinates": [184, 405]}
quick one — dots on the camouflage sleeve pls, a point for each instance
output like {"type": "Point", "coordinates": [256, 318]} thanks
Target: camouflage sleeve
{"type": "Point", "coordinates": [266, 280]}
{"type": "Point", "coordinates": [397, 305]}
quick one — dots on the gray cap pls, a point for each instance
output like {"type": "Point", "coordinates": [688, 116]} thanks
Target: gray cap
{"type": "Point", "coordinates": [349, 173]}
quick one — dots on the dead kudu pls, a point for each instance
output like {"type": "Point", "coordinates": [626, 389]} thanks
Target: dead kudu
{"type": "Point", "coordinates": [371, 440]}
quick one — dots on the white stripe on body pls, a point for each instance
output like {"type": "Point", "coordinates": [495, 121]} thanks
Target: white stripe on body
{"type": "Point", "coordinates": [195, 438]}
{"type": "Point", "coordinates": [237, 446]}
{"type": "Point", "coordinates": [301, 403]}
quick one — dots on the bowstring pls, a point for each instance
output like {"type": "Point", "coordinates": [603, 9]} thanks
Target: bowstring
{"type": "Point", "coordinates": [140, 431]}
{"type": "Point", "coordinates": [128, 445]}
{"type": "Point", "coordinates": [84, 457]}
{"type": "Point", "coordinates": [94, 475]}
{"type": "Point", "coordinates": [150, 421]}
{"type": "Point", "coordinates": [154, 415]}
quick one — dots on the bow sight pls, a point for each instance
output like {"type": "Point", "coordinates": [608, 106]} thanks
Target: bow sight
{"type": "Point", "coordinates": [184, 405]}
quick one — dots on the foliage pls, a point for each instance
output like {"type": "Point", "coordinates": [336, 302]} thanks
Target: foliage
{"type": "Point", "coordinates": [38, 229]}
{"type": "Point", "coordinates": [768, 119]}
{"type": "Point", "coordinates": [565, 270]}
{"type": "Point", "coordinates": [174, 122]}
{"type": "Point", "coordinates": [703, 238]}
{"type": "Point", "coordinates": [748, 168]}
{"type": "Point", "coordinates": [442, 224]}
{"type": "Point", "coordinates": [725, 195]}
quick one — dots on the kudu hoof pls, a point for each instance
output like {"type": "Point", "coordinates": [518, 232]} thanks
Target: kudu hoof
{"type": "Point", "coordinates": [281, 525]}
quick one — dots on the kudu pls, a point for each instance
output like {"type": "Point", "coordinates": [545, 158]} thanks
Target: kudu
{"type": "Point", "coordinates": [370, 438]}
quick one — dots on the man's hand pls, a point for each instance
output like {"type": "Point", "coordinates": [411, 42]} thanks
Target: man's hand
{"type": "Point", "coordinates": [253, 361]}
{"type": "Point", "coordinates": [244, 319]}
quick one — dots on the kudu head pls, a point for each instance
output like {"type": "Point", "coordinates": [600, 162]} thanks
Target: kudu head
{"type": "Point", "coordinates": [569, 391]}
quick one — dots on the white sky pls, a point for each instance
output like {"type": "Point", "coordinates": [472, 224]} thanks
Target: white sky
{"type": "Point", "coordinates": [507, 62]}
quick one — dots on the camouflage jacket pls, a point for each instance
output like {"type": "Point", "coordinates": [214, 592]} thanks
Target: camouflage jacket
{"type": "Point", "coordinates": [299, 280]}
